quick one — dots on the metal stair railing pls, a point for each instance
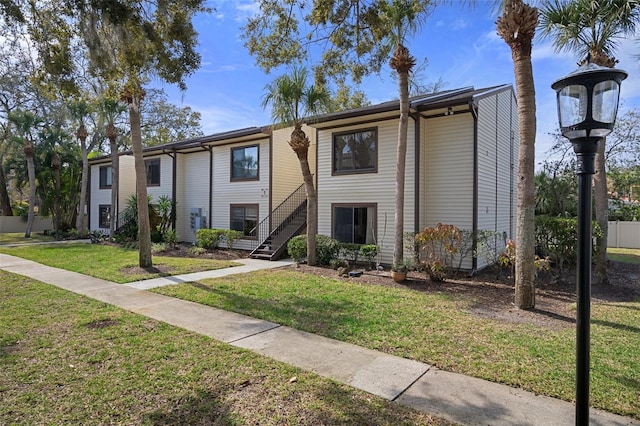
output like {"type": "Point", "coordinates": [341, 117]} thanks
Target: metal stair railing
{"type": "Point", "coordinates": [279, 216]}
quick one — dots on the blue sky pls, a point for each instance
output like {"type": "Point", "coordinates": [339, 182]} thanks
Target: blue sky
{"type": "Point", "coordinates": [460, 43]}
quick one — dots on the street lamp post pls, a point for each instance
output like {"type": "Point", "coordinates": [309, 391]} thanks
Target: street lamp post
{"type": "Point", "coordinates": [587, 108]}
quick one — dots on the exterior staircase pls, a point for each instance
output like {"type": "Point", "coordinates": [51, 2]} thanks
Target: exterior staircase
{"type": "Point", "coordinates": [285, 221]}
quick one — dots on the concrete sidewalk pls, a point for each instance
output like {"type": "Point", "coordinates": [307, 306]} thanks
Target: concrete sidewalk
{"type": "Point", "coordinates": [451, 396]}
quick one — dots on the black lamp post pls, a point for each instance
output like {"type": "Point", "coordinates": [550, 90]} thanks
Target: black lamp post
{"type": "Point", "coordinates": [587, 107]}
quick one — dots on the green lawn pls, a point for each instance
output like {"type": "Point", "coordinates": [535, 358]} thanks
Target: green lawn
{"type": "Point", "coordinates": [435, 329]}
{"type": "Point", "coordinates": [439, 330]}
{"type": "Point", "coordinates": [18, 238]}
{"type": "Point", "coordinates": [67, 359]}
{"type": "Point", "coordinates": [109, 262]}
{"type": "Point", "coordinates": [624, 255]}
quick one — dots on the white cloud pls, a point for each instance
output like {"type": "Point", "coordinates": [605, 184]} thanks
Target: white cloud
{"type": "Point", "coordinates": [245, 11]}
{"type": "Point", "coordinates": [459, 24]}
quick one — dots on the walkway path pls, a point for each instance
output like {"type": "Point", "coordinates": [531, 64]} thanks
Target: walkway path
{"type": "Point", "coordinates": [451, 396]}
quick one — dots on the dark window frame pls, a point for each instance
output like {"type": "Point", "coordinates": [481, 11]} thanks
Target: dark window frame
{"type": "Point", "coordinates": [147, 165]}
{"type": "Point", "coordinates": [354, 206]}
{"type": "Point", "coordinates": [101, 220]}
{"type": "Point", "coordinates": [231, 168]}
{"type": "Point", "coordinates": [105, 171]}
{"type": "Point", "coordinates": [245, 206]}
{"type": "Point", "coordinates": [335, 171]}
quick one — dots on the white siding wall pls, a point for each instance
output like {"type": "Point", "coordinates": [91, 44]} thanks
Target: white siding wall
{"type": "Point", "coordinates": [496, 182]}
{"type": "Point", "coordinates": [192, 191]}
{"type": "Point", "coordinates": [127, 179]}
{"type": "Point", "coordinates": [98, 197]}
{"type": "Point", "coordinates": [368, 188]}
{"type": "Point", "coordinates": [226, 192]}
{"type": "Point", "coordinates": [166, 178]}
{"type": "Point", "coordinates": [447, 170]}
{"type": "Point", "coordinates": [286, 174]}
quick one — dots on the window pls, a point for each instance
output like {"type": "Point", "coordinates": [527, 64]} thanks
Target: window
{"type": "Point", "coordinates": [355, 152]}
{"type": "Point", "coordinates": [354, 223]}
{"type": "Point", "coordinates": [105, 177]}
{"type": "Point", "coordinates": [153, 172]}
{"type": "Point", "coordinates": [104, 216]}
{"type": "Point", "coordinates": [244, 163]}
{"type": "Point", "coordinates": [244, 218]}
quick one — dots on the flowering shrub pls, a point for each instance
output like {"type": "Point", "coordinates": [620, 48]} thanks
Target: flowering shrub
{"type": "Point", "coordinates": [438, 247]}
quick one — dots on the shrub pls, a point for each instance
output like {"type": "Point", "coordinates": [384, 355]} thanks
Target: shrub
{"type": "Point", "coordinates": [231, 235]}
{"type": "Point", "coordinates": [209, 238]}
{"type": "Point", "coordinates": [556, 239]}
{"type": "Point", "coordinates": [369, 252]}
{"type": "Point", "coordinates": [350, 252]}
{"type": "Point", "coordinates": [326, 248]}
{"type": "Point", "coordinates": [438, 246]}
{"type": "Point", "coordinates": [297, 248]}
{"type": "Point", "coordinates": [197, 251]}
{"type": "Point", "coordinates": [338, 263]}
{"type": "Point", "coordinates": [171, 237]}
{"type": "Point", "coordinates": [158, 248]}
{"type": "Point", "coordinates": [96, 236]}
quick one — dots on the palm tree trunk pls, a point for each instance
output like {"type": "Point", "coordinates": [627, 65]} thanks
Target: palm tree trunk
{"type": "Point", "coordinates": [601, 199]}
{"type": "Point", "coordinates": [300, 144]}
{"type": "Point", "coordinates": [80, 222]}
{"type": "Point", "coordinates": [115, 173]}
{"type": "Point", "coordinates": [401, 157]}
{"type": "Point", "coordinates": [402, 62]}
{"type": "Point", "coordinates": [144, 228]}
{"type": "Point", "coordinates": [312, 210]}
{"type": "Point", "coordinates": [31, 172]}
{"type": "Point", "coordinates": [517, 28]}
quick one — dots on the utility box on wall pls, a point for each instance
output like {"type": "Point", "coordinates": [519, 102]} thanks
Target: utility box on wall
{"type": "Point", "coordinates": [198, 221]}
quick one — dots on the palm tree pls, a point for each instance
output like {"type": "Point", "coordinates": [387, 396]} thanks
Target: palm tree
{"type": "Point", "coordinates": [292, 100]}
{"type": "Point", "coordinates": [110, 109]}
{"type": "Point", "coordinates": [517, 27]}
{"type": "Point", "coordinates": [26, 123]}
{"type": "Point", "coordinates": [594, 28]}
{"type": "Point", "coordinates": [404, 18]}
{"type": "Point", "coordinates": [79, 111]}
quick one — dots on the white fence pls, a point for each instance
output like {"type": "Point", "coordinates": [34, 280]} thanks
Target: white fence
{"type": "Point", "coordinates": [624, 235]}
{"type": "Point", "coordinates": [10, 224]}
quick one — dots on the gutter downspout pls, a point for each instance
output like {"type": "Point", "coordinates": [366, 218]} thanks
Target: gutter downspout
{"type": "Point", "coordinates": [174, 157]}
{"type": "Point", "coordinates": [474, 227]}
{"type": "Point", "coordinates": [210, 218]}
{"type": "Point", "coordinates": [416, 196]}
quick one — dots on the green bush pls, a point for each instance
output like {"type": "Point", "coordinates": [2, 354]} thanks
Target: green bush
{"type": "Point", "coordinates": [297, 248]}
{"type": "Point", "coordinates": [350, 252]}
{"type": "Point", "coordinates": [171, 237]}
{"type": "Point", "coordinates": [231, 235]}
{"type": "Point", "coordinates": [157, 248]}
{"type": "Point", "coordinates": [556, 239]}
{"type": "Point", "coordinates": [369, 252]}
{"type": "Point", "coordinates": [209, 238]}
{"type": "Point", "coordinates": [326, 248]}
{"type": "Point", "coordinates": [197, 251]}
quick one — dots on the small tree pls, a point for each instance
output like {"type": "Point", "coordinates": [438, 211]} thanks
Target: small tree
{"type": "Point", "coordinates": [292, 99]}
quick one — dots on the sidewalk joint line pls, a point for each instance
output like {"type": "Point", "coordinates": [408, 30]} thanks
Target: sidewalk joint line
{"type": "Point", "coordinates": [255, 334]}
{"type": "Point", "coordinates": [412, 383]}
